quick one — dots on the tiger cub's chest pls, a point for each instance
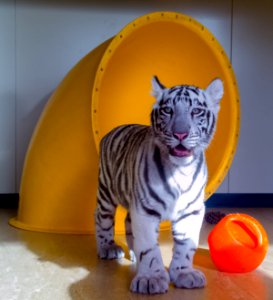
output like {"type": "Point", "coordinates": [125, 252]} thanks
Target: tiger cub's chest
{"type": "Point", "coordinates": [188, 184]}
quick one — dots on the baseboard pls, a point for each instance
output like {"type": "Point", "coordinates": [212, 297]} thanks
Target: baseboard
{"type": "Point", "coordinates": [240, 200]}
{"type": "Point", "coordinates": [216, 200]}
{"type": "Point", "coordinates": [9, 200]}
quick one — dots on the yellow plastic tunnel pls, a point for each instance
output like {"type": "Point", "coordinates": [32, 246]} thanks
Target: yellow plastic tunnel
{"type": "Point", "coordinates": [111, 86]}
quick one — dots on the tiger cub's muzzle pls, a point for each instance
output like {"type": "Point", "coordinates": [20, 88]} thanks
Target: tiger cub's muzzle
{"type": "Point", "coordinates": [181, 150]}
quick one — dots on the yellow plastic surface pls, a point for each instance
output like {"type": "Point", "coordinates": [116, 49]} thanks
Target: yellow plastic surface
{"type": "Point", "coordinates": [113, 83]}
{"type": "Point", "coordinates": [59, 180]}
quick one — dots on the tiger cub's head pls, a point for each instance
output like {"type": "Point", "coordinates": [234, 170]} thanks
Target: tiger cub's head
{"type": "Point", "coordinates": [184, 117]}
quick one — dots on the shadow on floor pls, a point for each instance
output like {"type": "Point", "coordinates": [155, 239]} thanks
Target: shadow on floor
{"type": "Point", "coordinates": [111, 279]}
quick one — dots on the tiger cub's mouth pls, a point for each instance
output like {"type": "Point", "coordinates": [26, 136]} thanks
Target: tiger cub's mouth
{"type": "Point", "coordinates": [180, 151]}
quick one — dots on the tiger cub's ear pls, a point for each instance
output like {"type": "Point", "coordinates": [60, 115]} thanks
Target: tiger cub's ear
{"type": "Point", "coordinates": [157, 88]}
{"type": "Point", "coordinates": [215, 91]}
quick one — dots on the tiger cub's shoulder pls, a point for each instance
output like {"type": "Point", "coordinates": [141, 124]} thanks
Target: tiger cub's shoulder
{"type": "Point", "coordinates": [126, 132]}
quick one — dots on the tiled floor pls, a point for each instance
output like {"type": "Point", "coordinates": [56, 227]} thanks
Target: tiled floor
{"type": "Point", "coordinates": [58, 267]}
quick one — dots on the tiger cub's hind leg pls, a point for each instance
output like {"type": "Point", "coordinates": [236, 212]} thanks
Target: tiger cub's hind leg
{"type": "Point", "coordinates": [130, 237]}
{"type": "Point", "coordinates": [105, 221]}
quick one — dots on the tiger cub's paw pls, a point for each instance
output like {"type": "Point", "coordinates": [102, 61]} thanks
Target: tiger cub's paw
{"type": "Point", "coordinates": [132, 256]}
{"type": "Point", "coordinates": [110, 252]}
{"type": "Point", "coordinates": [188, 278]}
{"type": "Point", "coordinates": [155, 283]}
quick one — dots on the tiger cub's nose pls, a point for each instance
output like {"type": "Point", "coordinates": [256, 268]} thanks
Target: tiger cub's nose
{"type": "Point", "coordinates": [181, 135]}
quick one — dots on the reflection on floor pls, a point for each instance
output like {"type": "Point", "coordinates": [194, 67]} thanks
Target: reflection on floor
{"type": "Point", "coordinates": [59, 267]}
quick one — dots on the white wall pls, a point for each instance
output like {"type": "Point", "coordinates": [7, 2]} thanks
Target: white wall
{"type": "Point", "coordinates": [7, 97]}
{"type": "Point", "coordinates": [41, 40]}
{"type": "Point", "coordinates": [252, 56]}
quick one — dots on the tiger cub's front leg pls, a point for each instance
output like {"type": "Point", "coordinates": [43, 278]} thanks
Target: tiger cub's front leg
{"type": "Point", "coordinates": [186, 230]}
{"type": "Point", "coordinates": [106, 246]}
{"type": "Point", "coordinates": [151, 277]}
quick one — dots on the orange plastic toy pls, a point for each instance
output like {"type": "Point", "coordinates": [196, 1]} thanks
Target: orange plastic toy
{"type": "Point", "coordinates": [238, 243]}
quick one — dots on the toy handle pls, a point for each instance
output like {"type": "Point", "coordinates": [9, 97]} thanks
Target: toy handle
{"type": "Point", "coordinates": [245, 230]}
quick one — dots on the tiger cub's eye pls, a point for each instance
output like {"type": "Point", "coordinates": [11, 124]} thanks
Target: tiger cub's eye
{"type": "Point", "coordinates": [167, 110]}
{"type": "Point", "coordinates": [197, 111]}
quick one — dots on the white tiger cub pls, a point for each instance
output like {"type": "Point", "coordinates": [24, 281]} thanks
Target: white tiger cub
{"type": "Point", "coordinates": [159, 172]}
